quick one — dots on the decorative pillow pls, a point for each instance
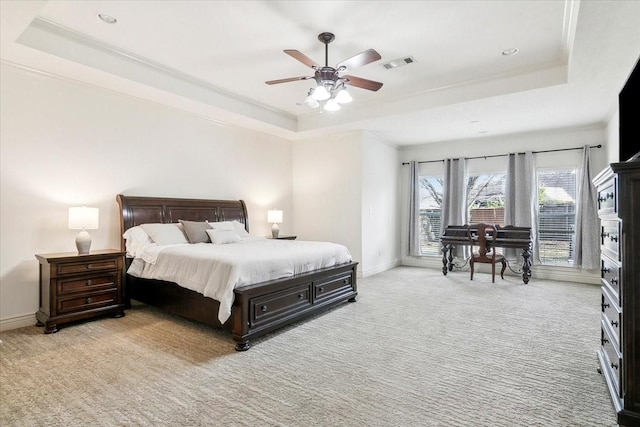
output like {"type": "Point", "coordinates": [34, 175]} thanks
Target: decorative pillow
{"type": "Point", "coordinates": [239, 228]}
{"type": "Point", "coordinates": [136, 239]}
{"type": "Point", "coordinates": [166, 234]}
{"type": "Point", "coordinates": [196, 231]}
{"type": "Point", "coordinates": [221, 225]}
{"type": "Point", "coordinates": [222, 237]}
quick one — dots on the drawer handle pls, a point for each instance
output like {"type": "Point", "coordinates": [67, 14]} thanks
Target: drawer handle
{"type": "Point", "coordinates": [300, 296]}
{"type": "Point", "coordinates": [614, 323]}
{"type": "Point", "coordinates": [345, 281]}
{"type": "Point", "coordinates": [610, 195]}
{"type": "Point", "coordinates": [604, 270]}
{"type": "Point", "coordinates": [604, 235]}
{"type": "Point", "coordinates": [605, 305]}
{"type": "Point", "coordinates": [89, 282]}
{"type": "Point", "coordinates": [89, 300]}
{"type": "Point", "coordinates": [614, 365]}
{"type": "Point", "coordinates": [602, 199]}
{"type": "Point", "coordinates": [263, 308]}
{"type": "Point", "coordinates": [614, 280]}
{"type": "Point", "coordinates": [89, 266]}
{"type": "Point", "coordinates": [320, 289]}
{"type": "Point", "coordinates": [613, 238]}
{"type": "Point", "coordinates": [604, 341]}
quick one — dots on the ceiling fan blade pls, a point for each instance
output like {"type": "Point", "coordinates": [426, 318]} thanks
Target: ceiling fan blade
{"type": "Point", "coordinates": [363, 58]}
{"type": "Point", "coordinates": [290, 79]}
{"type": "Point", "coordinates": [362, 83]}
{"type": "Point", "coordinates": [302, 58]}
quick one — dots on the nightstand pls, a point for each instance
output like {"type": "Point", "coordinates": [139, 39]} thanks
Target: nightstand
{"type": "Point", "coordinates": [282, 237]}
{"type": "Point", "coordinates": [77, 287]}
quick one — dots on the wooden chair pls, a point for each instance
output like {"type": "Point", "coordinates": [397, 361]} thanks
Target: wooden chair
{"type": "Point", "coordinates": [486, 254]}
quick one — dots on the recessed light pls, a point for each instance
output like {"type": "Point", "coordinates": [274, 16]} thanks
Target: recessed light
{"type": "Point", "coordinates": [474, 121]}
{"type": "Point", "coordinates": [107, 18]}
{"type": "Point", "coordinates": [510, 51]}
{"type": "Point", "coordinates": [483, 131]}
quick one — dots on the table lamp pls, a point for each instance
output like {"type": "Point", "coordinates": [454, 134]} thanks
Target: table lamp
{"type": "Point", "coordinates": [274, 217]}
{"type": "Point", "coordinates": [83, 218]}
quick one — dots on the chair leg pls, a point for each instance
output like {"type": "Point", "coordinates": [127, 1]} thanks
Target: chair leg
{"type": "Point", "coordinates": [504, 267]}
{"type": "Point", "coordinates": [493, 272]}
{"type": "Point", "coordinates": [471, 266]}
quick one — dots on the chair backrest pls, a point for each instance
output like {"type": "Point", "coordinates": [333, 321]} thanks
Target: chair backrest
{"type": "Point", "coordinates": [484, 232]}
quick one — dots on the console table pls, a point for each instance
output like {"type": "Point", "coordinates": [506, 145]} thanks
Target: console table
{"type": "Point", "coordinates": [508, 237]}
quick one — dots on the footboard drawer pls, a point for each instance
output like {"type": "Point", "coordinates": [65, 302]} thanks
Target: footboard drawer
{"type": "Point", "coordinates": [270, 307]}
{"type": "Point", "coordinates": [332, 287]}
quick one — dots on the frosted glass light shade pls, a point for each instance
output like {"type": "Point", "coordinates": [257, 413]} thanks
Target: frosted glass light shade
{"type": "Point", "coordinates": [320, 93]}
{"type": "Point", "coordinates": [343, 97]}
{"type": "Point", "coordinates": [274, 216]}
{"type": "Point", "coordinates": [331, 105]}
{"type": "Point", "coordinates": [83, 218]}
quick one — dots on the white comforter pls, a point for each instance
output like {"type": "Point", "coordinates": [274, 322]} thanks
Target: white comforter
{"type": "Point", "coordinates": [215, 270]}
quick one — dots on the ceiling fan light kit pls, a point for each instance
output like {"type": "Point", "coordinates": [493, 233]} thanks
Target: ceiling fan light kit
{"type": "Point", "coordinates": [331, 85]}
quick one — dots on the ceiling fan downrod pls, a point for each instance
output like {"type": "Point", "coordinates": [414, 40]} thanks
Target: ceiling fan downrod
{"type": "Point", "coordinates": [326, 38]}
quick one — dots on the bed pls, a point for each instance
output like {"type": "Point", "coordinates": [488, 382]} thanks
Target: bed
{"type": "Point", "coordinates": [257, 308]}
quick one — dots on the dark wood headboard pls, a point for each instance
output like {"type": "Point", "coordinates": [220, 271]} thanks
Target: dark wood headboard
{"type": "Point", "coordinates": [135, 210]}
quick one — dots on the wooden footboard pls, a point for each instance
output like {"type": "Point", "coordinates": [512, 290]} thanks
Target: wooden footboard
{"type": "Point", "coordinates": [257, 309]}
{"type": "Point", "coordinates": [264, 307]}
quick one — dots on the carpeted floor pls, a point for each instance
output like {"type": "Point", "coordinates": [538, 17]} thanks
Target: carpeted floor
{"type": "Point", "coordinates": [417, 349]}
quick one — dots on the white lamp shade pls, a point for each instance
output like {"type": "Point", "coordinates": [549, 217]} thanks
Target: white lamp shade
{"type": "Point", "coordinates": [83, 218]}
{"type": "Point", "coordinates": [274, 216]}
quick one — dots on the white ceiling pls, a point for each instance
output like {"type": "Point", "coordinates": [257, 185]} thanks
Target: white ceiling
{"type": "Point", "coordinates": [213, 57]}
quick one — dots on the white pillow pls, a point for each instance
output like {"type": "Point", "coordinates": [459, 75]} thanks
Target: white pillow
{"type": "Point", "coordinates": [166, 234]}
{"type": "Point", "coordinates": [221, 225]}
{"type": "Point", "coordinates": [136, 239]}
{"type": "Point", "coordinates": [222, 237]}
{"type": "Point", "coordinates": [239, 228]}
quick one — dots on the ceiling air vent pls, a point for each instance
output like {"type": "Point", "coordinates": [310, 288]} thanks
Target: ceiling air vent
{"type": "Point", "coordinates": [398, 62]}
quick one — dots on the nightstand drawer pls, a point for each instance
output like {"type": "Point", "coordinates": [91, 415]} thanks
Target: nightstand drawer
{"type": "Point", "coordinates": [87, 283]}
{"type": "Point", "coordinates": [87, 266]}
{"type": "Point", "coordinates": [87, 302]}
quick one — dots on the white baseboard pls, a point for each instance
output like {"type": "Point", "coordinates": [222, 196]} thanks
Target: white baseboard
{"type": "Point", "coordinates": [17, 322]}
{"type": "Point", "coordinates": [380, 268]}
{"type": "Point", "coordinates": [546, 272]}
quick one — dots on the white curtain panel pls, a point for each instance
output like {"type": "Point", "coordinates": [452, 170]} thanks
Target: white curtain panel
{"type": "Point", "coordinates": [454, 197]}
{"type": "Point", "coordinates": [414, 209]}
{"type": "Point", "coordinates": [587, 244]}
{"type": "Point", "coordinates": [521, 199]}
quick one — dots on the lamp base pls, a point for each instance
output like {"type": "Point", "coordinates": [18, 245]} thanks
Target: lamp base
{"type": "Point", "coordinates": [275, 231]}
{"type": "Point", "coordinates": [83, 242]}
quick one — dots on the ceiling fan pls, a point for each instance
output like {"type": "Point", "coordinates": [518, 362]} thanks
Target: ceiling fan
{"type": "Point", "coordinates": [331, 85]}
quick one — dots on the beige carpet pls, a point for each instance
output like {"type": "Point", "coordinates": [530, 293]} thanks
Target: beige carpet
{"type": "Point", "coordinates": [417, 349]}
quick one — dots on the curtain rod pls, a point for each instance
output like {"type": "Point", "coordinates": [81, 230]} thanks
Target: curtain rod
{"type": "Point", "coordinates": [502, 155]}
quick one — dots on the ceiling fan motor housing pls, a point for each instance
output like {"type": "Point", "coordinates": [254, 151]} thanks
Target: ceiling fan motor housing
{"type": "Point", "coordinates": [326, 76]}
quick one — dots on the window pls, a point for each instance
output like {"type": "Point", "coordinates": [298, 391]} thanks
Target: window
{"type": "Point", "coordinates": [485, 199]}
{"type": "Point", "coordinates": [556, 215]}
{"type": "Point", "coordinates": [485, 203]}
{"type": "Point", "coordinates": [430, 210]}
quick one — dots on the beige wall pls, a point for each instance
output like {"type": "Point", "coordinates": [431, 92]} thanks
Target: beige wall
{"type": "Point", "coordinates": [64, 144]}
